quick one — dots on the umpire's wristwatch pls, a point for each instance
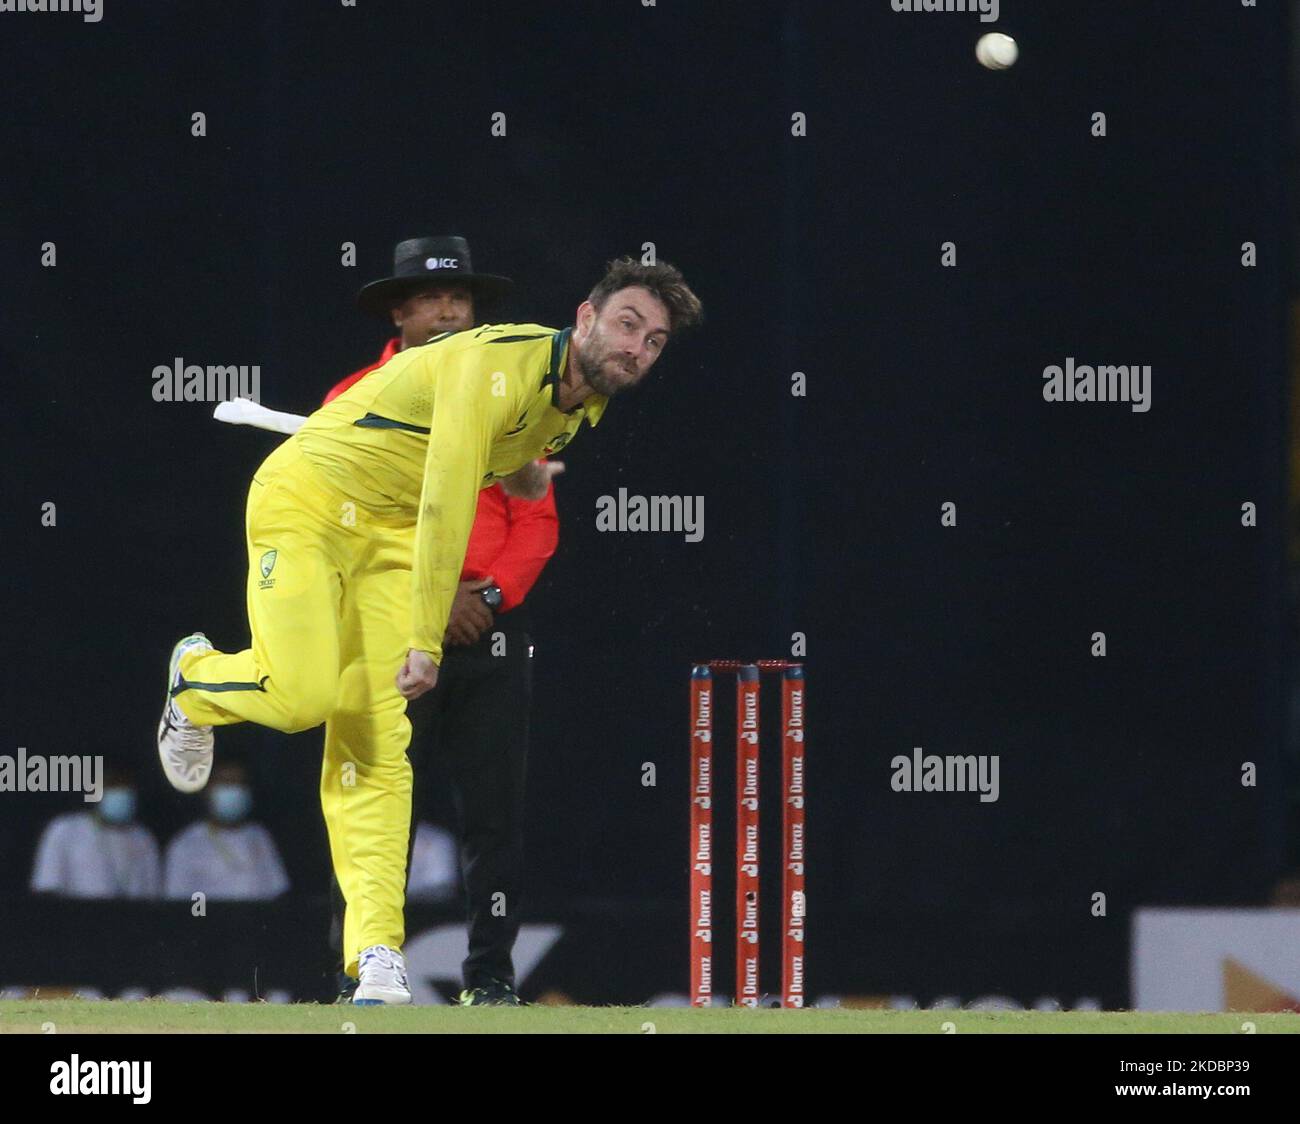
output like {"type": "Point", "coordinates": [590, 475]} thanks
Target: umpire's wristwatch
{"type": "Point", "coordinates": [491, 597]}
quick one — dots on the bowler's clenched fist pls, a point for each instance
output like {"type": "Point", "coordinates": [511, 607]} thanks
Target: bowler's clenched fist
{"type": "Point", "coordinates": [419, 674]}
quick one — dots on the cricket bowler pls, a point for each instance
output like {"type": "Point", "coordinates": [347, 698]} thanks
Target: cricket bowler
{"type": "Point", "coordinates": [356, 531]}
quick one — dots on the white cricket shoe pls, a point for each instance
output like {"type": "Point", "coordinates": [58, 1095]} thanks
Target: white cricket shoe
{"type": "Point", "coordinates": [184, 748]}
{"type": "Point", "coordinates": [382, 972]}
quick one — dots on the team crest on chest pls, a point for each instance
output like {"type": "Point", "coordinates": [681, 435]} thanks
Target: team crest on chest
{"type": "Point", "coordinates": [266, 565]}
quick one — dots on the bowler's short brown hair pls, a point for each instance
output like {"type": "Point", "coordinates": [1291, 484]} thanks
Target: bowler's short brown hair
{"type": "Point", "coordinates": [661, 280]}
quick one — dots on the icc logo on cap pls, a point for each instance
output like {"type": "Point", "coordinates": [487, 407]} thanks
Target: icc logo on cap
{"type": "Point", "coordinates": [442, 263]}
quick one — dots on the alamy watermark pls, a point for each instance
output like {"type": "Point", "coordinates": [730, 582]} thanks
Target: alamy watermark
{"type": "Point", "coordinates": [1103, 383]}
{"type": "Point", "coordinates": [928, 772]}
{"type": "Point", "coordinates": [681, 514]}
{"type": "Point", "coordinates": [189, 382]}
{"type": "Point", "coordinates": [95, 1078]}
{"type": "Point", "coordinates": [92, 11]}
{"type": "Point", "coordinates": [988, 9]}
{"type": "Point", "coordinates": [37, 773]}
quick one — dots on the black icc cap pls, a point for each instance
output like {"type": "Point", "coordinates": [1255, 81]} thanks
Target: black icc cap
{"type": "Point", "coordinates": [429, 261]}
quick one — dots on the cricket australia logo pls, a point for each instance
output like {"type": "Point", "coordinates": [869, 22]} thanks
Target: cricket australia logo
{"type": "Point", "coordinates": [266, 566]}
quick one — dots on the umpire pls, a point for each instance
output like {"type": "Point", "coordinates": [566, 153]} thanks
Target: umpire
{"type": "Point", "coordinates": [474, 723]}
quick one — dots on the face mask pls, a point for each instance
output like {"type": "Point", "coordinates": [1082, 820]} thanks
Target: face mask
{"type": "Point", "coordinates": [229, 803]}
{"type": "Point", "coordinates": [118, 806]}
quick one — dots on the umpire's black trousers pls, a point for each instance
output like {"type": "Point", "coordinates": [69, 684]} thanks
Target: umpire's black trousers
{"type": "Point", "coordinates": [471, 733]}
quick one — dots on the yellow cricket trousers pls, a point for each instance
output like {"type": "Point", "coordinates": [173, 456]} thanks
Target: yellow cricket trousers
{"type": "Point", "coordinates": [329, 610]}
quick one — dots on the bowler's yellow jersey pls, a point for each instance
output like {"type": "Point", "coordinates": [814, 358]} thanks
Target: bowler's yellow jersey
{"type": "Point", "coordinates": [436, 423]}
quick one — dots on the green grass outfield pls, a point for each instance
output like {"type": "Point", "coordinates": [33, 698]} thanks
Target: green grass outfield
{"type": "Point", "coordinates": [75, 1016]}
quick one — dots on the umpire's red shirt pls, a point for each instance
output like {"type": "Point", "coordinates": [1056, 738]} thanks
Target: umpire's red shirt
{"type": "Point", "coordinates": [511, 539]}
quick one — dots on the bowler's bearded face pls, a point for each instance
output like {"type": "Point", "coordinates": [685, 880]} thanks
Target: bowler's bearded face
{"type": "Point", "coordinates": [622, 340]}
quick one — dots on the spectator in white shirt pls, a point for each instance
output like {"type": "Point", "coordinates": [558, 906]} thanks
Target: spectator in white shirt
{"type": "Point", "coordinates": [225, 857]}
{"type": "Point", "coordinates": [102, 853]}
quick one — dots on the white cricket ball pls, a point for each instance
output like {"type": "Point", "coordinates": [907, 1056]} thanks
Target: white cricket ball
{"type": "Point", "coordinates": [997, 51]}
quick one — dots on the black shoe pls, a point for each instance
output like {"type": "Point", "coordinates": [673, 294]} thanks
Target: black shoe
{"type": "Point", "coordinates": [495, 993]}
{"type": "Point", "coordinates": [347, 985]}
